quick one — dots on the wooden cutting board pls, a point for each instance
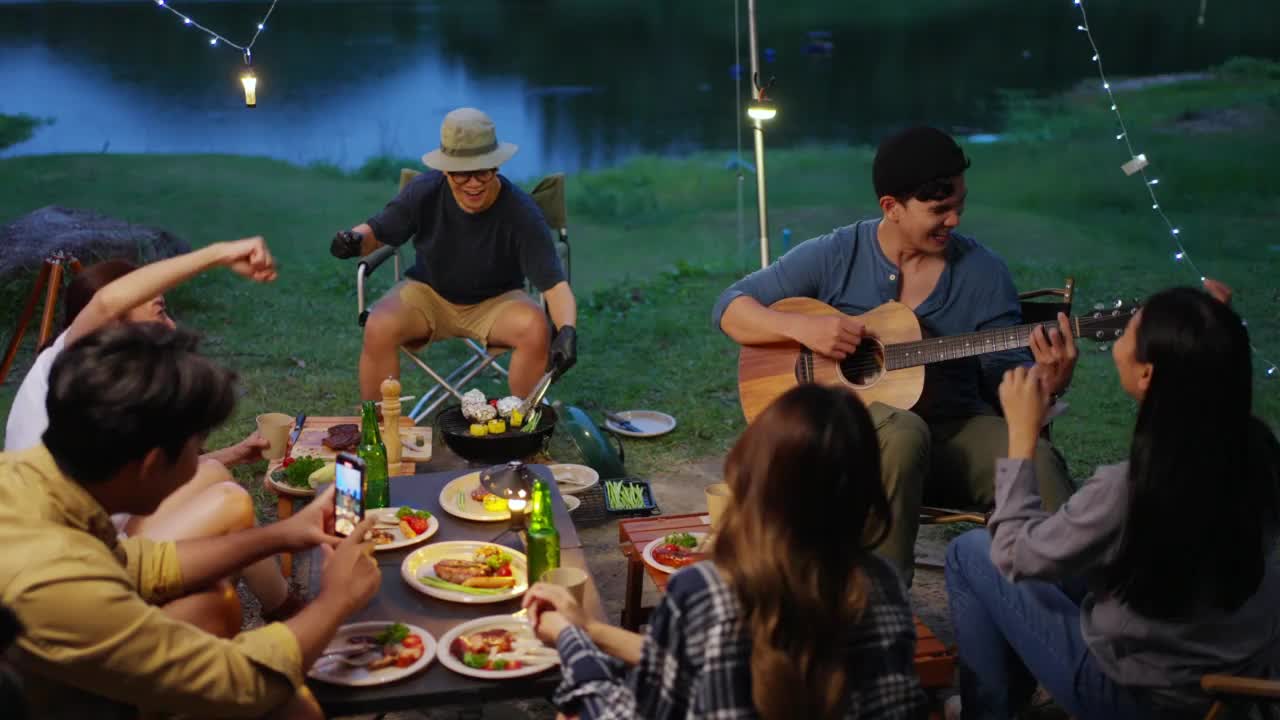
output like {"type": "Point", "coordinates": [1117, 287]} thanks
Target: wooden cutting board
{"type": "Point", "coordinates": [314, 430]}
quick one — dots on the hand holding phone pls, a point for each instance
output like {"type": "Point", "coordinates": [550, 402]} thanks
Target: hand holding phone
{"type": "Point", "coordinates": [348, 501]}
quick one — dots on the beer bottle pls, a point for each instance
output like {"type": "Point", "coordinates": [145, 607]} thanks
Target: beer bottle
{"type": "Point", "coordinates": [377, 488]}
{"type": "Point", "coordinates": [544, 540]}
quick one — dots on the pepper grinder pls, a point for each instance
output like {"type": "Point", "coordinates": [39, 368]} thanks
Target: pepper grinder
{"type": "Point", "coordinates": [391, 420]}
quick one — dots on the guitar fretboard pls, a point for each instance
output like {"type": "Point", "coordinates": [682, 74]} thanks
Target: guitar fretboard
{"type": "Point", "coordinates": [954, 347]}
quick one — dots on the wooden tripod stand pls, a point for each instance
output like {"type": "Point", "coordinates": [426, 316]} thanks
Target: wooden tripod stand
{"type": "Point", "coordinates": [51, 276]}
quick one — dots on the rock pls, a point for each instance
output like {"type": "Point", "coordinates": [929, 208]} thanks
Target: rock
{"type": "Point", "coordinates": [87, 235]}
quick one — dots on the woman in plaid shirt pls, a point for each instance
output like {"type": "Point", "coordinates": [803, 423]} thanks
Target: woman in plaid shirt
{"type": "Point", "coordinates": [793, 618]}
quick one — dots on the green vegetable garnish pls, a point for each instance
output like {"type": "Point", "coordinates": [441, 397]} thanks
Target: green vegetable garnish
{"type": "Point", "coordinates": [436, 582]}
{"type": "Point", "coordinates": [497, 561]}
{"type": "Point", "coordinates": [405, 512]}
{"type": "Point", "coordinates": [499, 665]}
{"type": "Point", "coordinates": [682, 539]}
{"type": "Point", "coordinates": [475, 660]}
{"type": "Point", "coordinates": [393, 634]}
{"type": "Point", "coordinates": [298, 471]}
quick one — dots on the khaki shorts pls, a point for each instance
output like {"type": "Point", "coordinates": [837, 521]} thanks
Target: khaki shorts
{"type": "Point", "coordinates": [447, 320]}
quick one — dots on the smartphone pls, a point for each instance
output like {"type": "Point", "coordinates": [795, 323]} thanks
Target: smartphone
{"type": "Point", "coordinates": [348, 501]}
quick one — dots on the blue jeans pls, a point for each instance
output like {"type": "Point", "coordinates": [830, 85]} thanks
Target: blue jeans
{"type": "Point", "coordinates": [1012, 635]}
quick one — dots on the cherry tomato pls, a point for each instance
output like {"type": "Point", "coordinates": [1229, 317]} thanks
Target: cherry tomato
{"type": "Point", "coordinates": [287, 462]}
{"type": "Point", "coordinates": [513, 665]}
{"type": "Point", "coordinates": [413, 641]}
{"type": "Point", "coordinates": [504, 571]}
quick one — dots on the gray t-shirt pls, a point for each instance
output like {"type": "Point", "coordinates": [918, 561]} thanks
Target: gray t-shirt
{"type": "Point", "coordinates": [1083, 536]}
{"type": "Point", "coordinates": [470, 258]}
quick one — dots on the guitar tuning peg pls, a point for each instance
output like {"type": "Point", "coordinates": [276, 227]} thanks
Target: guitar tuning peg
{"type": "Point", "coordinates": [1119, 302]}
{"type": "Point", "coordinates": [1103, 347]}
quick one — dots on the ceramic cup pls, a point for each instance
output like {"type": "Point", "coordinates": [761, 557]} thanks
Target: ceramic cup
{"type": "Point", "coordinates": [574, 579]}
{"type": "Point", "coordinates": [718, 497]}
{"type": "Point", "coordinates": [274, 427]}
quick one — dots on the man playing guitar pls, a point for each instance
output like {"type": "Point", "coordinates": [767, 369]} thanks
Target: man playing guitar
{"type": "Point", "coordinates": [945, 447]}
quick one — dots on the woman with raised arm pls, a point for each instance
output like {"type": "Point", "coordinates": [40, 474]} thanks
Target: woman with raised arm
{"type": "Point", "coordinates": [211, 503]}
{"type": "Point", "coordinates": [1159, 570]}
{"type": "Point", "coordinates": [793, 617]}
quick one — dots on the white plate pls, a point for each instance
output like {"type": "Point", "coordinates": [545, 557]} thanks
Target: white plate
{"type": "Point", "coordinates": [571, 502]}
{"type": "Point", "coordinates": [331, 671]}
{"type": "Point", "coordinates": [433, 524]}
{"type": "Point", "coordinates": [469, 509]}
{"type": "Point", "coordinates": [573, 479]}
{"type": "Point", "coordinates": [422, 562]}
{"type": "Point", "coordinates": [286, 489]}
{"type": "Point", "coordinates": [648, 552]}
{"type": "Point", "coordinates": [651, 423]}
{"type": "Point", "coordinates": [505, 622]}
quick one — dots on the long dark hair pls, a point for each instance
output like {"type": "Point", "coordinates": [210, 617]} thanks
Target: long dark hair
{"type": "Point", "coordinates": [808, 507]}
{"type": "Point", "coordinates": [86, 283]}
{"type": "Point", "coordinates": [1202, 473]}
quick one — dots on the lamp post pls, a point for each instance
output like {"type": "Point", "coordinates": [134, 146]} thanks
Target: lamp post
{"type": "Point", "coordinates": [760, 110]}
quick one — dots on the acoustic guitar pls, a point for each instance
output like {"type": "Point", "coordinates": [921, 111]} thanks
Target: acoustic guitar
{"type": "Point", "coordinates": [888, 366]}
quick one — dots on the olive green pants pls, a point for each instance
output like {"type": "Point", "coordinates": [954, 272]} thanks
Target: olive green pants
{"type": "Point", "coordinates": [951, 464]}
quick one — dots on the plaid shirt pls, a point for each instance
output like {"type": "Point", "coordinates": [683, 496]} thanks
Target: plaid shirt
{"type": "Point", "coordinates": [697, 655]}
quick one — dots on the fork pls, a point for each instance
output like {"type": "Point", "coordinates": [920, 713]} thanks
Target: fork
{"type": "Point", "coordinates": [364, 659]}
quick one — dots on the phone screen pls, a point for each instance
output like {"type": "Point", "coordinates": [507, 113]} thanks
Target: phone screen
{"type": "Point", "coordinates": [349, 500]}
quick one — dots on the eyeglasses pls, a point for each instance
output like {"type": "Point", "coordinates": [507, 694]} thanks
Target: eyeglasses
{"type": "Point", "coordinates": [462, 178]}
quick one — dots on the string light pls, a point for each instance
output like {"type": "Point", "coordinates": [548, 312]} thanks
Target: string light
{"type": "Point", "coordinates": [1138, 163]}
{"type": "Point", "coordinates": [247, 78]}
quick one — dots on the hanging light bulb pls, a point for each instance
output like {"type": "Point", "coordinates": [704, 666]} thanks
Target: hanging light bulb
{"type": "Point", "coordinates": [250, 83]}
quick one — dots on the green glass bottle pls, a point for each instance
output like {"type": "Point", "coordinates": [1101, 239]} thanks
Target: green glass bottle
{"type": "Point", "coordinates": [543, 545]}
{"type": "Point", "coordinates": [377, 488]}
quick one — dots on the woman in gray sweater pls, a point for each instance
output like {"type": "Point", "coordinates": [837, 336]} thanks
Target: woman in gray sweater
{"type": "Point", "coordinates": [1158, 570]}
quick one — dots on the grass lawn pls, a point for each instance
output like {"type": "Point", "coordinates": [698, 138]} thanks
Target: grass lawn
{"type": "Point", "coordinates": [655, 241]}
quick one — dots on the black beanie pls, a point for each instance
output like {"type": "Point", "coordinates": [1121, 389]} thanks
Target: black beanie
{"type": "Point", "coordinates": [911, 159]}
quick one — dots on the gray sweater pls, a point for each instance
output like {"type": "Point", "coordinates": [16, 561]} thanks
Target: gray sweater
{"type": "Point", "coordinates": [1082, 537]}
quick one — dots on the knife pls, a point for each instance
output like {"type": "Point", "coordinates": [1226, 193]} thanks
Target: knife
{"type": "Point", "coordinates": [622, 422]}
{"type": "Point", "coordinates": [297, 430]}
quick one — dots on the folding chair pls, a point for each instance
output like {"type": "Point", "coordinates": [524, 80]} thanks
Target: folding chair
{"type": "Point", "coordinates": [549, 194]}
{"type": "Point", "coordinates": [1240, 697]}
{"type": "Point", "coordinates": [1033, 310]}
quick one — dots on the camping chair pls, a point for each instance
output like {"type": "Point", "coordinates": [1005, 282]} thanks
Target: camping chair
{"type": "Point", "coordinates": [1034, 309]}
{"type": "Point", "coordinates": [1239, 697]}
{"type": "Point", "coordinates": [549, 194]}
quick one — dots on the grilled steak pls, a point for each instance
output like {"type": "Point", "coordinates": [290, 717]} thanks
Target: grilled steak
{"type": "Point", "coordinates": [342, 437]}
{"type": "Point", "coordinates": [457, 571]}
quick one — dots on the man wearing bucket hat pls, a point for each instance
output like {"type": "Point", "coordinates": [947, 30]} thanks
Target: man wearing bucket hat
{"type": "Point", "coordinates": [477, 238]}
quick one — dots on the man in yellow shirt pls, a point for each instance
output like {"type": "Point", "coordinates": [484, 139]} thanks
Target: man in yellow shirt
{"type": "Point", "coordinates": [108, 623]}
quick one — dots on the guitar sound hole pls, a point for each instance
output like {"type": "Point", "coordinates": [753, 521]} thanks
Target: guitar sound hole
{"type": "Point", "coordinates": [866, 366]}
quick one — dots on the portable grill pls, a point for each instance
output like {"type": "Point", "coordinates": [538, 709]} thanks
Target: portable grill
{"type": "Point", "coordinates": [514, 444]}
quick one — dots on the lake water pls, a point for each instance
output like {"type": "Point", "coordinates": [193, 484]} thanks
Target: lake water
{"type": "Point", "coordinates": [576, 83]}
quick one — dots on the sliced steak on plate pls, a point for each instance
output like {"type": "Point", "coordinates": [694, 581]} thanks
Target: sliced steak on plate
{"type": "Point", "coordinates": [458, 571]}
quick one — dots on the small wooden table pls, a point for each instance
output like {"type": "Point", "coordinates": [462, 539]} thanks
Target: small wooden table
{"type": "Point", "coordinates": [935, 663]}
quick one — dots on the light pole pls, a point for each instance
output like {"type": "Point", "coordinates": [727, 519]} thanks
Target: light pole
{"type": "Point", "coordinates": [760, 110]}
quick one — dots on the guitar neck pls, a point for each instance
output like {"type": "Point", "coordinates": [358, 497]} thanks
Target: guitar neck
{"type": "Point", "coordinates": [955, 347]}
